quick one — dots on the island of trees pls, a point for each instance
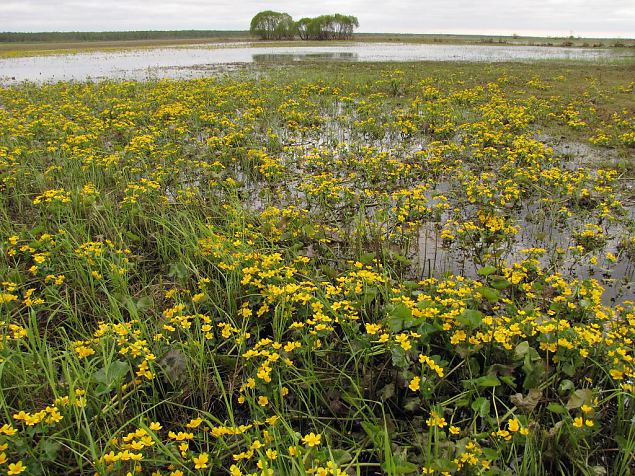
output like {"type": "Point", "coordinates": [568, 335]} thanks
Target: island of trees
{"type": "Point", "coordinates": [270, 25]}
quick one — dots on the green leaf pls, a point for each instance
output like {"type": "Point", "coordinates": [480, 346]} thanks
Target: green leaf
{"type": "Point", "coordinates": [557, 408]}
{"type": "Point", "coordinates": [329, 271]}
{"type": "Point", "coordinates": [565, 386]}
{"type": "Point", "coordinates": [491, 294]}
{"type": "Point", "coordinates": [341, 457]}
{"type": "Point", "coordinates": [445, 466]}
{"type": "Point", "coordinates": [399, 359]}
{"type": "Point", "coordinates": [521, 350]}
{"type": "Point", "coordinates": [568, 368]}
{"type": "Point", "coordinates": [426, 303]}
{"type": "Point", "coordinates": [490, 453]}
{"type": "Point", "coordinates": [50, 448]}
{"type": "Point", "coordinates": [132, 237]}
{"type": "Point", "coordinates": [499, 282]}
{"type": "Point", "coordinates": [580, 397]}
{"type": "Point", "coordinates": [487, 381]}
{"type": "Point", "coordinates": [411, 404]}
{"type": "Point", "coordinates": [470, 318]}
{"type": "Point", "coordinates": [111, 376]}
{"type": "Point", "coordinates": [144, 303]}
{"type": "Point", "coordinates": [375, 433]}
{"type": "Point", "coordinates": [309, 230]}
{"type": "Point", "coordinates": [585, 303]}
{"type": "Point", "coordinates": [400, 311]}
{"type": "Point", "coordinates": [388, 391]}
{"type": "Point", "coordinates": [370, 294]}
{"type": "Point", "coordinates": [178, 271]}
{"type": "Point", "coordinates": [481, 406]}
{"type": "Point", "coordinates": [398, 314]}
{"type": "Point", "coordinates": [399, 465]}
{"type": "Point", "coordinates": [486, 270]}
{"type": "Point", "coordinates": [427, 328]}
{"type": "Point", "coordinates": [367, 258]}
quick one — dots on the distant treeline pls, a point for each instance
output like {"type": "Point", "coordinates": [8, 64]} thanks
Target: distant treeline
{"type": "Point", "coordinates": [269, 25]}
{"type": "Point", "coordinates": [62, 36]}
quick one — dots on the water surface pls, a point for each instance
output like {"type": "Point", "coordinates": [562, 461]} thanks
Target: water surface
{"type": "Point", "coordinates": [193, 61]}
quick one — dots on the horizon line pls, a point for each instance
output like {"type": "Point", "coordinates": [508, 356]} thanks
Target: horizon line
{"type": "Point", "coordinates": [497, 34]}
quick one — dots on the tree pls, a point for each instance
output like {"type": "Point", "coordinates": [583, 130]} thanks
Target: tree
{"type": "Point", "coordinates": [345, 25]}
{"type": "Point", "coordinates": [270, 25]}
{"type": "Point", "coordinates": [303, 27]}
{"type": "Point", "coordinates": [327, 27]}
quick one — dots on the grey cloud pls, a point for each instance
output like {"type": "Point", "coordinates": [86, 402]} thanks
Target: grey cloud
{"type": "Point", "coordinates": [544, 17]}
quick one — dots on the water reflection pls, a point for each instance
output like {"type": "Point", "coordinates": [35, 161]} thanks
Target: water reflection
{"type": "Point", "coordinates": [203, 60]}
{"type": "Point", "coordinates": [290, 58]}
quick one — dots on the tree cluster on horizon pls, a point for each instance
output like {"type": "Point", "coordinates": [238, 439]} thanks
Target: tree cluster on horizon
{"type": "Point", "coordinates": [270, 25]}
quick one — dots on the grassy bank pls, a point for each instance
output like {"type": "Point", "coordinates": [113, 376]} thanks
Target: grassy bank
{"type": "Point", "coordinates": [16, 50]}
{"type": "Point", "coordinates": [33, 44]}
{"type": "Point", "coordinates": [326, 269]}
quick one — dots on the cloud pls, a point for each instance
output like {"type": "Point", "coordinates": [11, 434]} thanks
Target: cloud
{"type": "Point", "coordinates": [544, 17]}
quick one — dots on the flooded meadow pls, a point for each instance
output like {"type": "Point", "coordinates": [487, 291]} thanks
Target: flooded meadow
{"type": "Point", "coordinates": [199, 60]}
{"type": "Point", "coordinates": [364, 259]}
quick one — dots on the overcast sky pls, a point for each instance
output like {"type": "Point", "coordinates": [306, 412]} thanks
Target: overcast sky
{"type": "Point", "coordinates": [599, 18]}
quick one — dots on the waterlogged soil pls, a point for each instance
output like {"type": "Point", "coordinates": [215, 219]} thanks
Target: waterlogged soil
{"type": "Point", "coordinates": [226, 272]}
{"type": "Point", "coordinates": [196, 61]}
{"type": "Point", "coordinates": [429, 255]}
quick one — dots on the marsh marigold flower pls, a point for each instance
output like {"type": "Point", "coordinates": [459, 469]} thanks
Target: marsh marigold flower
{"type": "Point", "coordinates": [513, 425]}
{"type": "Point", "coordinates": [16, 468]}
{"type": "Point", "coordinates": [312, 439]}
{"type": "Point", "coordinates": [200, 461]}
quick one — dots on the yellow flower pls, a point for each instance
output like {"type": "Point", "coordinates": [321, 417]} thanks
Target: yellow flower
{"type": "Point", "coordinates": [513, 425]}
{"type": "Point", "coordinates": [415, 384]}
{"type": "Point", "coordinates": [506, 435]}
{"type": "Point", "coordinates": [403, 341]}
{"type": "Point", "coordinates": [8, 430]}
{"type": "Point", "coordinates": [16, 468]}
{"type": "Point", "coordinates": [83, 351]}
{"type": "Point", "coordinates": [263, 401]}
{"type": "Point", "coordinates": [194, 423]}
{"type": "Point", "coordinates": [311, 439]}
{"type": "Point", "coordinates": [200, 462]}
{"type": "Point", "coordinates": [436, 420]}
{"type": "Point", "coordinates": [577, 422]}
{"type": "Point", "coordinates": [455, 430]}
{"type": "Point", "coordinates": [198, 297]}
{"type": "Point", "coordinates": [155, 426]}
{"type": "Point", "coordinates": [235, 470]}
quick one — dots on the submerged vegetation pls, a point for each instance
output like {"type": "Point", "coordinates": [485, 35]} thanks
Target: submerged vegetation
{"type": "Point", "coordinates": [340, 269]}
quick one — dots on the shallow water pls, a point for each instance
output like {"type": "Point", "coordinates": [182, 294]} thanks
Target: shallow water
{"type": "Point", "coordinates": [193, 61]}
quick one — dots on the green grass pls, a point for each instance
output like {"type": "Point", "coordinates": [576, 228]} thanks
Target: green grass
{"type": "Point", "coordinates": [330, 268]}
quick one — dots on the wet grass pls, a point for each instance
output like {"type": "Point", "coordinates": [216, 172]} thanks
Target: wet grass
{"type": "Point", "coordinates": [324, 268]}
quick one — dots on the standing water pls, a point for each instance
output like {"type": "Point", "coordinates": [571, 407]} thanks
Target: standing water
{"type": "Point", "coordinates": [193, 61]}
